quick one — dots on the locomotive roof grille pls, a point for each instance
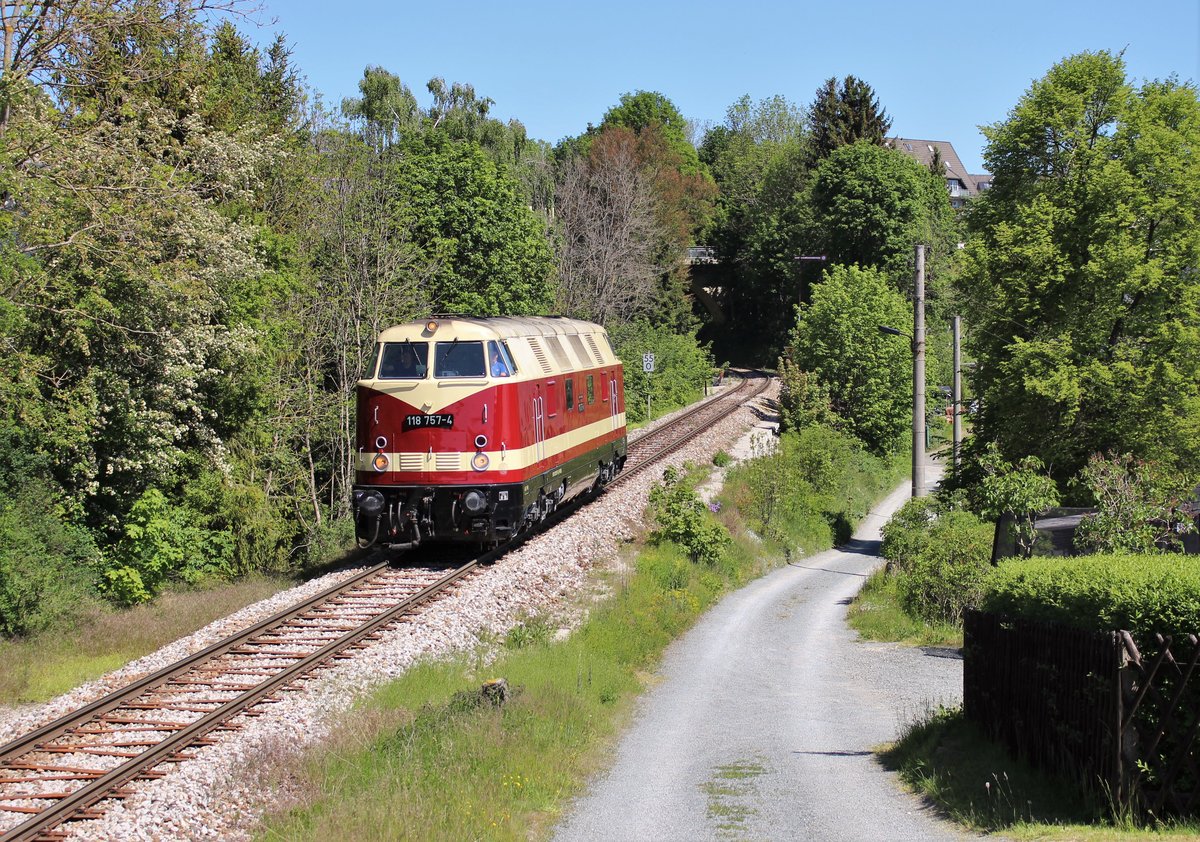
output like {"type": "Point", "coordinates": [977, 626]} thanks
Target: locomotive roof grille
{"type": "Point", "coordinates": [560, 356]}
{"type": "Point", "coordinates": [541, 337]}
{"type": "Point", "coordinates": [591, 340]}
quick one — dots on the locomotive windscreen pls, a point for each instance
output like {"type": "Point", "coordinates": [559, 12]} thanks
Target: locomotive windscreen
{"type": "Point", "coordinates": [458, 359]}
{"type": "Point", "coordinates": [404, 360]}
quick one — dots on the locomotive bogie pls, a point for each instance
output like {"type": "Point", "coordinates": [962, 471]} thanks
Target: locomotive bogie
{"type": "Point", "coordinates": [476, 429]}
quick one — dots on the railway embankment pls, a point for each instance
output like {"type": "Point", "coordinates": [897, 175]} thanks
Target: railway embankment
{"type": "Point", "coordinates": [557, 577]}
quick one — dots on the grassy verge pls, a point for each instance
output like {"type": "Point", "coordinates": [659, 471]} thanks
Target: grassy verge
{"type": "Point", "coordinates": [428, 758]}
{"type": "Point", "coordinates": [103, 638]}
{"type": "Point", "coordinates": [877, 614]}
{"type": "Point", "coordinates": [976, 783]}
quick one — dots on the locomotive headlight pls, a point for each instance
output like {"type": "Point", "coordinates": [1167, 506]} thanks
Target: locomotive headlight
{"type": "Point", "coordinates": [431, 326]}
{"type": "Point", "coordinates": [380, 442]}
{"type": "Point", "coordinates": [380, 462]}
{"type": "Point", "coordinates": [475, 502]}
{"type": "Point", "coordinates": [370, 503]}
{"type": "Point", "coordinates": [481, 441]}
{"type": "Point", "coordinates": [480, 461]}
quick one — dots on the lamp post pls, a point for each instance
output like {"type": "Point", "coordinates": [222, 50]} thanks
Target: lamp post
{"type": "Point", "coordinates": [918, 351]}
{"type": "Point", "coordinates": [956, 394]}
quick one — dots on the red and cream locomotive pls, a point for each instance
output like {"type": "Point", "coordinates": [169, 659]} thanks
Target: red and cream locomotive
{"type": "Point", "coordinates": [478, 428]}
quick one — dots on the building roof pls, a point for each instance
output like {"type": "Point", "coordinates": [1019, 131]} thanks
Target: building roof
{"type": "Point", "coordinates": [922, 151]}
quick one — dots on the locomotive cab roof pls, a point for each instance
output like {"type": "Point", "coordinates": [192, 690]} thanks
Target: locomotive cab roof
{"type": "Point", "coordinates": [538, 345]}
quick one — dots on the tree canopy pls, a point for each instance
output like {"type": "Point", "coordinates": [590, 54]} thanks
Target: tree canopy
{"type": "Point", "coordinates": [868, 375]}
{"type": "Point", "coordinates": [845, 113]}
{"type": "Point", "coordinates": [1081, 271]}
{"type": "Point", "coordinates": [872, 204]}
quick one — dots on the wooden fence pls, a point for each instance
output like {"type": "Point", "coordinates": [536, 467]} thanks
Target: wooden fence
{"type": "Point", "coordinates": [1091, 707]}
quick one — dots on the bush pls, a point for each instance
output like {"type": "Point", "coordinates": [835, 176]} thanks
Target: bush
{"type": "Point", "coordinates": [906, 534]}
{"type": "Point", "coordinates": [681, 368]}
{"type": "Point", "coordinates": [163, 541]}
{"type": "Point", "coordinates": [811, 491]}
{"type": "Point", "coordinates": [1139, 593]}
{"type": "Point", "coordinates": [721, 459]}
{"type": "Point", "coordinates": [1138, 506]}
{"type": "Point", "coordinates": [948, 572]}
{"type": "Point", "coordinates": [45, 563]}
{"type": "Point", "coordinates": [683, 519]}
{"type": "Point", "coordinates": [803, 400]}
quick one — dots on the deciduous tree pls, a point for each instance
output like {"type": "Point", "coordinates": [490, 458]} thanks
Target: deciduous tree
{"type": "Point", "coordinates": [608, 255]}
{"type": "Point", "coordinates": [868, 375]}
{"type": "Point", "coordinates": [1081, 271]}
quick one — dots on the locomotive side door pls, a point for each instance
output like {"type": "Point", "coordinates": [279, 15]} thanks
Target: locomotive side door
{"type": "Point", "coordinates": [539, 427]}
{"type": "Point", "coordinates": [612, 401]}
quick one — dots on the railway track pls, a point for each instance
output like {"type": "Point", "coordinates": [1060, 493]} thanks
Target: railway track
{"type": "Point", "coordinates": [670, 437]}
{"type": "Point", "coordinates": [64, 770]}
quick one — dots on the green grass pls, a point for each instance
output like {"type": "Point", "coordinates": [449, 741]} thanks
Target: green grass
{"type": "Point", "coordinates": [103, 638]}
{"type": "Point", "coordinates": [877, 614]}
{"type": "Point", "coordinates": [726, 792]}
{"type": "Point", "coordinates": [976, 783]}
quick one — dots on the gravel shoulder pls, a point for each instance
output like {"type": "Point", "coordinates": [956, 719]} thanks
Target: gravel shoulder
{"type": "Point", "coordinates": [764, 721]}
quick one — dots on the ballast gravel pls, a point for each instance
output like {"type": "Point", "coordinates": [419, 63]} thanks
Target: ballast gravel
{"type": "Point", "coordinates": [224, 791]}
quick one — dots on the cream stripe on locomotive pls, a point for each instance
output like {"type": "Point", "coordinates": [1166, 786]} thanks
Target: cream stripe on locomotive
{"type": "Point", "coordinates": [499, 460]}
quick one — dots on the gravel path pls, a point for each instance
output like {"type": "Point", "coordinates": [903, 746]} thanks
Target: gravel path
{"type": "Point", "coordinates": [765, 720]}
{"type": "Point", "coordinates": [223, 793]}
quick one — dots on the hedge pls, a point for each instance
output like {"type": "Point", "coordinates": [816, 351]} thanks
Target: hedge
{"type": "Point", "coordinates": [1138, 593]}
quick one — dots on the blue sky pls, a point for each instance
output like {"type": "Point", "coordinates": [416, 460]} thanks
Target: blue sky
{"type": "Point", "coordinates": [940, 69]}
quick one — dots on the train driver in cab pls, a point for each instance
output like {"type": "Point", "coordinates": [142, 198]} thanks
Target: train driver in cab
{"type": "Point", "coordinates": [499, 366]}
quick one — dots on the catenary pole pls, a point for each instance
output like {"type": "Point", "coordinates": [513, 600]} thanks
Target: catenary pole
{"type": "Point", "coordinates": [956, 394]}
{"type": "Point", "coordinates": [918, 420]}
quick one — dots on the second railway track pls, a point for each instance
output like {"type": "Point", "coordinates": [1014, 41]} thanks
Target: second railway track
{"type": "Point", "coordinates": [64, 770]}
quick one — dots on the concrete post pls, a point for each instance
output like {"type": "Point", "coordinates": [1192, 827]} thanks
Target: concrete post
{"type": "Point", "coordinates": [918, 420]}
{"type": "Point", "coordinates": [956, 394]}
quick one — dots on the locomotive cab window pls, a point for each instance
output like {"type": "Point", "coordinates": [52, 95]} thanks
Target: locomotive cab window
{"type": "Point", "coordinates": [458, 359]}
{"type": "Point", "coordinates": [374, 364]}
{"type": "Point", "coordinates": [570, 393]}
{"type": "Point", "coordinates": [500, 364]}
{"type": "Point", "coordinates": [591, 387]}
{"type": "Point", "coordinates": [404, 361]}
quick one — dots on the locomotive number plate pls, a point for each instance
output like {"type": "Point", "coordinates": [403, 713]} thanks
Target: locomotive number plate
{"type": "Point", "coordinates": [440, 419]}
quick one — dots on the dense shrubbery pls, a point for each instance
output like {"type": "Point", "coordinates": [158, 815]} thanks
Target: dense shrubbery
{"type": "Point", "coordinates": [162, 541]}
{"type": "Point", "coordinates": [681, 368]}
{"type": "Point", "coordinates": [808, 494]}
{"type": "Point", "coordinates": [941, 558]}
{"type": "Point", "coordinates": [1137, 505]}
{"type": "Point", "coordinates": [45, 563]}
{"type": "Point", "coordinates": [1141, 594]}
{"type": "Point", "coordinates": [683, 519]}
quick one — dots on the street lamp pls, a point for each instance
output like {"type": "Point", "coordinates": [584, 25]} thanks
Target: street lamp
{"type": "Point", "coordinates": [917, 339]}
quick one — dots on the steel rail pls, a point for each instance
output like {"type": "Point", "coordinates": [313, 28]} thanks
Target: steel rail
{"type": "Point", "coordinates": [52, 730]}
{"type": "Point", "coordinates": [683, 422]}
{"type": "Point", "coordinates": [102, 787]}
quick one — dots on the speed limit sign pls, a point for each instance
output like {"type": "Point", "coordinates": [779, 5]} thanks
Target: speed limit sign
{"type": "Point", "coordinates": [647, 363]}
